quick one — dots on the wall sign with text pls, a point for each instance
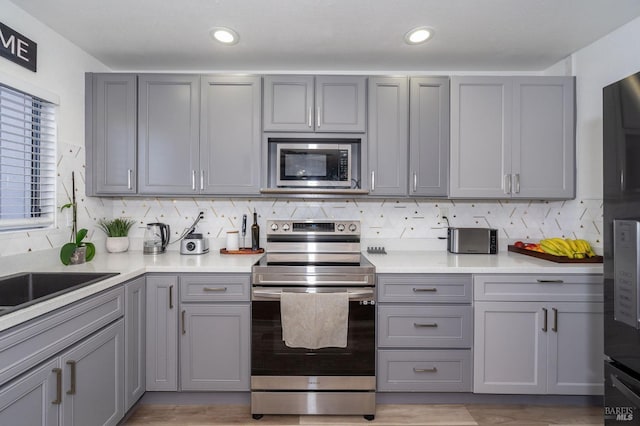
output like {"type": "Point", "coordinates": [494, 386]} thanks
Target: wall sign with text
{"type": "Point", "coordinates": [17, 48]}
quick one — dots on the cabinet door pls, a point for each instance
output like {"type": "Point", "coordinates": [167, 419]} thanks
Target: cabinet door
{"type": "Point", "coordinates": [32, 399]}
{"type": "Point", "coordinates": [543, 157]}
{"type": "Point", "coordinates": [480, 137]}
{"type": "Point", "coordinates": [388, 136]}
{"type": "Point", "coordinates": [168, 133]}
{"type": "Point", "coordinates": [112, 141]}
{"type": "Point", "coordinates": [214, 347]}
{"type": "Point", "coordinates": [162, 333]}
{"type": "Point", "coordinates": [510, 348]}
{"type": "Point", "coordinates": [135, 301]}
{"type": "Point", "coordinates": [93, 379]}
{"type": "Point", "coordinates": [340, 104]}
{"type": "Point", "coordinates": [576, 345]}
{"type": "Point", "coordinates": [288, 103]}
{"type": "Point", "coordinates": [429, 136]}
{"type": "Point", "coordinates": [230, 135]}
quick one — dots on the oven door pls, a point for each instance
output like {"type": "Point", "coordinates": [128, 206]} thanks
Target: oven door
{"type": "Point", "coordinates": [271, 357]}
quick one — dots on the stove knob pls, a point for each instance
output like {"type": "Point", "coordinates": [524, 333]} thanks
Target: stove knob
{"type": "Point", "coordinates": [340, 227]}
{"type": "Point", "coordinates": [274, 227]}
{"type": "Point", "coordinates": [285, 227]}
{"type": "Point", "coordinates": [353, 227]}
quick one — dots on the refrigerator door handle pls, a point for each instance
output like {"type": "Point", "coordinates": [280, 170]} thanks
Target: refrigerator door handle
{"type": "Point", "coordinates": [626, 391]}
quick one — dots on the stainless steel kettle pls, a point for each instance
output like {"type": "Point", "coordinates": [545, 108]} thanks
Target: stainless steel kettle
{"type": "Point", "coordinates": [156, 238]}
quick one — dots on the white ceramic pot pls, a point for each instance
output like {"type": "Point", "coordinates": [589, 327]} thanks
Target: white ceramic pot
{"type": "Point", "coordinates": [117, 244]}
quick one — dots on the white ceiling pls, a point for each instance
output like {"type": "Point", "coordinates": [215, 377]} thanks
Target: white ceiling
{"type": "Point", "coordinates": [345, 35]}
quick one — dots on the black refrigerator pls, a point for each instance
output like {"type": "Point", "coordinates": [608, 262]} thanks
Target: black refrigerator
{"type": "Point", "coordinates": [621, 209]}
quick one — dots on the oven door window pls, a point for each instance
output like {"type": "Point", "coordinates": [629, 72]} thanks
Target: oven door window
{"type": "Point", "coordinates": [271, 357]}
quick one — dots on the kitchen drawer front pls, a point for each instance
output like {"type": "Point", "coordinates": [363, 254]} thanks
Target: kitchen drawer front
{"type": "Point", "coordinates": [539, 287]}
{"type": "Point", "coordinates": [425, 326]}
{"type": "Point", "coordinates": [445, 288]}
{"type": "Point", "coordinates": [27, 345]}
{"type": "Point", "coordinates": [424, 370]}
{"type": "Point", "coordinates": [215, 288]}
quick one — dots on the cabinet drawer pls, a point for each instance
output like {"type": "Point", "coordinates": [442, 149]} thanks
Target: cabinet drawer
{"type": "Point", "coordinates": [425, 326]}
{"type": "Point", "coordinates": [215, 287]}
{"type": "Point", "coordinates": [424, 371]}
{"type": "Point", "coordinates": [27, 345]}
{"type": "Point", "coordinates": [446, 288]}
{"type": "Point", "coordinates": [539, 287]}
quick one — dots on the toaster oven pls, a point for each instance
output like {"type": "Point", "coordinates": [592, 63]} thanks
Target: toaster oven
{"type": "Point", "coordinates": [472, 240]}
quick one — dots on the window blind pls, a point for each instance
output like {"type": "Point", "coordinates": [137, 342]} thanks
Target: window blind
{"type": "Point", "coordinates": [27, 160]}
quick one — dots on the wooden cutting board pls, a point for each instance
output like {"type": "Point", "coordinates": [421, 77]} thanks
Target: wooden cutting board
{"type": "Point", "coordinates": [241, 250]}
{"type": "Point", "coordinates": [552, 258]}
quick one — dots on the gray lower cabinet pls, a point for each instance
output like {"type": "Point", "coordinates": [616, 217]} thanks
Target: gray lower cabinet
{"type": "Point", "coordinates": [215, 332]}
{"type": "Point", "coordinates": [135, 300]}
{"type": "Point", "coordinates": [83, 386]}
{"type": "Point", "coordinates": [304, 103]}
{"type": "Point", "coordinates": [424, 334]}
{"type": "Point", "coordinates": [168, 133]}
{"type": "Point", "coordinates": [162, 333]}
{"type": "Point", "coordinates": [512, 137]}
{"type": "Point", "coordinates": [111, 134]}
{"type": "Point", "coordinates": [230, 134]}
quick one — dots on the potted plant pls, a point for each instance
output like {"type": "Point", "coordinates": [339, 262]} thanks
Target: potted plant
{"type": "Point", "coordinates": [77, 250]}
{"type": "Point", "coordinates": [117, 231]}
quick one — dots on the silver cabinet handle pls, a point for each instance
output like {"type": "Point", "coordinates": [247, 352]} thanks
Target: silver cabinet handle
{"type": "Point", "coordinates": [430, 325]}
{"type": "Point", "coordinates": [550, 281]}
{"type": "Point", "coordinates": [555, 320]}
{"type": "Point", "coordinates": [310, 123]}
{"type": "Point", "coordinates": [215, 289]}
{"type": "Point", "coordinates": [72, 387]}
{"type": "Point", "coordinates": [430, 289]}
{"type": "Point", "coordinates": [129, 171]}
{"type": "Point", "coordinates": [170, 297]}
{"type": "Point", "coordinates": [507, 184]}
{"type": "Point", "coordinates": [193, 180]}
{"type": "Point", "coordinates": [544, 325]}
{"type": "Point", "coordinates": [415, 181]}
{"type": "Point", "coordinates": [58, 373]}
{"type": "Point", "coordinates": [318, 115]}
{"type": "Point", "coordinates": [425, 370]}
{"type": "Point", "coordinates": [373, 180]}
{"type": "Point", "coordinates": [184, 325]}
{"type": "Point", "coordinates": [517, 185]}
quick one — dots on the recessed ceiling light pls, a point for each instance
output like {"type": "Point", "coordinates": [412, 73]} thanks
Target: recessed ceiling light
{"type": "Point", "coordinates": [224, 35]}
{"type": "Point", "coordinates": [418, 35]}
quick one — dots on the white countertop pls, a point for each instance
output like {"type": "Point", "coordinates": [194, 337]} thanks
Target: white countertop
{"type": "Point", "coordinates": [134, 263]}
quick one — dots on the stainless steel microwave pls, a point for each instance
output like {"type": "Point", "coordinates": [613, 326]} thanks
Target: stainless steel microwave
{"type": "Point", "coordinates": [313, 165]}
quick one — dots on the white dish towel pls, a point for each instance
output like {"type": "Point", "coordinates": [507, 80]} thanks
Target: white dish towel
{"type": "Point", "coordinates": [314, 320]}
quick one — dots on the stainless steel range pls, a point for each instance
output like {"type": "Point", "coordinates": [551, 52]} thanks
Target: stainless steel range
{"type": "Point", "coordinates": [313, 257]}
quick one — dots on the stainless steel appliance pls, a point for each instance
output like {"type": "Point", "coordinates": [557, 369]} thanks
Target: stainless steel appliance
{"type": "Point", "coordinates": [621, 190]}
{"type": "Point", "coordinates": [472, 240]}
{"type": "Point", "coordinates": [156, 238]}
{"type": "Point", "coordinates": [313, 257]}
{"type": "Point", "coordinates": [194, 244]}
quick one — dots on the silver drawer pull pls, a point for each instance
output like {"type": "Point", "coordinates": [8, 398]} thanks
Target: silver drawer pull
{"type": "Point", "coordinates": [425, 370]}
{"type": "Point", "coordinates": [431, 289]}
{"type": "Point", "coordinates": [432, 324]}
{"type": "Point", "coordinates": [551, 281]}
{"type": "Point", "coordinates": [215, 289]}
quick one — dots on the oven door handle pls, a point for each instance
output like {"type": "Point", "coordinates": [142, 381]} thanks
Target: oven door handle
{"type": "Point", "coordinates": [272, 293]}
{"type": "Point", "coordinates": [305, 282]}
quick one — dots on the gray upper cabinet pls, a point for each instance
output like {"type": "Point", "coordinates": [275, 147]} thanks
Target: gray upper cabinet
{"type": "Point", "coordinates": [314, 104]}
{"type": "Point", "coordinates": [512, 137]}
{"type": "Point", "coordinates": [168, 134]}
{"type": "Point", "coordinates": [230, 135]}
{"type": "Point", "coordinates": [388, 135]}
{"type": "Point", "coordinates": [111, 133]}
{"type": "Point", "coordinates": [429, 136]}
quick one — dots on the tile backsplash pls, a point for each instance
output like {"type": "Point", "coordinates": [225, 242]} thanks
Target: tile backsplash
{"type": "Point", "coordinates": [397, 223]}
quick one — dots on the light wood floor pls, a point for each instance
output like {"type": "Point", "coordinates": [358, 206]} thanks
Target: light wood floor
{"type": "Point", "coordinates": [386, 414]}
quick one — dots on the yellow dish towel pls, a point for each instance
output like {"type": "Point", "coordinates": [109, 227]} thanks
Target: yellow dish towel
{"type": "Point", "coordinates": [314, 320]}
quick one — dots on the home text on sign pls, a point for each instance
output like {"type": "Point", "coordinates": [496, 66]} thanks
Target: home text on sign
{"type": "Point", "coordinates": [17, 48]}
